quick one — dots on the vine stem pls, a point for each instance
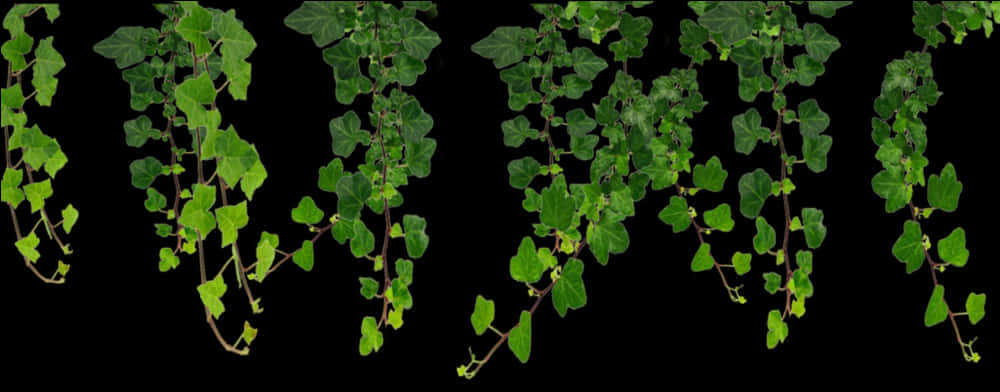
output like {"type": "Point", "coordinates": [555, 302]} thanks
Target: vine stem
{"type": "Point", "coordinates": [236, 250]}
{"type": "Point", "coordinates": [698, 229]}
{"type": "Point", "coordinates": [315, 238]}
{"type": "Point", "coordinates": [208, 313]}
{"type": "Point", "coordinates": [388, 222]}
{"type": "Point", "coordinates": [788, 216]}
{"type": "Point", "coordinates": [931, 264]}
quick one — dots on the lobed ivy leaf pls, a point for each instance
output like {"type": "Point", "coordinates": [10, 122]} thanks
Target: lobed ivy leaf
{"type": "Point", "coordinates": [729, 19]}
{"type": "Point", "coordinates": [37, 192]}
{"type": "Point", "coordinates": [813, 227]}
{"type": "Point", "coordinates": [346, 133]}
{"type": "Point", "coordinates": [557, 207]}
{"type": "Point", "coordinates": [710, 176]}
{"type": "Point", "coordinates": [755, 188]}
{"type": "Point", "coordinates": [330, 174]}
{"type": "Point", "coordinates": [703, 260]}
{"type": "Point", "coordinates": [676, 215]}
{"type": "Point", "coordinates": [482, 316]}
{"type": "Point", "coordinates": [720, 218]}
{"type": "Point", "coordinates": [415, 237]}
{"type": "Point", "coordinates": [819, 44]}
{"type": "Point", "coordinates": [952, 248]}
{"type": "Point", "coordinates": [12, 193]}
{"type": "Point", "coordinates": [70, 215]}
{"type": "Point", "coordinates": [937, 309]}
{"type": "Point", "coordinates": [975, 306]}
{"type": "Point", "coordinates": [155, 200]}
{"type": "Point", "coordinates": [307, 212]}
{"type": "Point", "coordinates": [517, 130]}
{"type": "Point", "coordinates": [909, 248]}
{"type": "Point", "coordinates": [525, 266]}
{"type": "Point", "coordinates": [504, 46]}
{"type": "Point", "coordinates": [522, 171]}
{"type": "Point", "coordinates": [812, 120]}
{"type": "Point", "coordinates": [741, 263]}
{"type": "Point", "coordinates": [569, 292]}
{"type": "Point", "coordinates": [607, 237]}
{"type": "Point", "coordinates": [27, 247]}
{"type": "Point", "coordinates": [352, 191]}
{"type": "Point", "coordinates": [321, 19]}
{"type": "Point", "coordinates": [231, 219]}
{"type": "Point", "coordinates": [371, 337]}
{"type": "Point", "coordinates": [211, 295]}
{"type": "Point", "coordinates": [128, 46]}
{"type": "Point", "coordinates": [943, 191]}
{"type": "Point", "coordinates": [747, 131]}
{"type": "Point", "coordinates": [48, 62]}
{"type": "Point", "coordinates": [889, 185]}
{"type": "Point", "coordinates": [826, 9]}
{"type": "Point", "coordinates": [814, 150]}
{"type": "Point", "coordinates": [369, 287]}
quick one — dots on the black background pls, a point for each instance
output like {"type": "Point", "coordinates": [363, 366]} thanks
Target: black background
{"type": "Point", "coordinates": [648, 318]}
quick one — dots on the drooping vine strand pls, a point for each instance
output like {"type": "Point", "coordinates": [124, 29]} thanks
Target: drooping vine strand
{"type": "Point", "coordinates": [38, 151]}
{"type": "Point", "coordinates": [211, 43]}
{"type": "Point", "coordinates": [531, 59]}
{"type": "Point", "coordinates": [749, 34]}
{"type": "Point", "coordinates": [907, 91]}
{"type": "Point", "coordinates": [395, 44]}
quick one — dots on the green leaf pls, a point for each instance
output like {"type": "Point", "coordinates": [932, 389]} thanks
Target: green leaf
{"type": "Point", "coordinates": [747, 131]}
{"type": "Point", "coordinates": [408, 68]}
{"type": "Point", "coordinates": [578, 123]}
{"type": "Point", "coordinates": [587, 64]}
{"type": "Point", "coordinates": [266, 247]}
{"type": "Point", "coordinates": [249, 333]}
{"type": "Point", "coordinates": [569, 292]}
{"type": "Point", "coordinates": [211, 295]}
{"type": "Point", "coordinates": [416, 239]}
{"type": "Point", "coordinates": [307, 212]}
{"type": "Point", "coordinates": [710, 176]}
{"type": "Point", "coordinates": [404, 270]}
{"type": "Point", "coordinates": [890, 186]}
{"type": "Point", "coordinates": [503, 46]}
{"type": "Point", "coordinates": [128, 45]}
{"type": "Point", "coordinates": [819, 44]}
{"type": "Point", "coordinates": [482, 316]}
{"type": "Point", "coordinates": [557, 205]}
{"type": "Point", "coordinates": [416, 122]}
{"type": "Point", "coordinates": [26, 246]}
{"type": "Point", "coordinates": [937, 309]}
{"type": "Point", "coordinates": [813, 226]}
{"type": "Point", "coordinates": [522, 171]}
{"type": "Point", "coordinates": [352, 192]}
{"type": "Point", "coordinates": [346, 133]}
{"type": "Point", "coordinates": [191, 95]}
{"type": "Point", "coordinates": [418, 156]}
{"type": "Point", "coordinates": [253, 179]}
{"type": "Point", "coordinates": [155, 200]}
{"type": "Point", "coordinates": [36, 194]}
{"type": "Point", "coordinates": [401, 297]}
{"type": "Point", "coordinates": [803, 286]}
{"type": "Point", "coordinates": [909, 248]}
{"type": "Point", "coordinates": [804, 259]}
{"type": "Point", "coordinates": [519, 340]}
{"type": "Point", "coordinates": [812, 120]}
{"type": "Point", "coordinates": [720, 218]}
{"type": "Point", "coordinates": [525, 266]}
{"type": "Point", "coordinates": [194, 26]}
{"type": "Point", "coordinates": [826, 9]}
{"type": "Point", "coordinates": [231, 219]}
{"type": "Point", "coordinates": [975, 306]}
{"type": "Point", "coordinates": [70, 215]}
{"type": "Point", "coordinates": [363, 241]}
{"type": "Point", "coordinates": [516, 130]}
{"type": "Point", "coordinates": [168, 260]}
{"type": "Point", "coordinates": [395, 318]}
{"type": "Point", "coordinates": [741, 263]}
{"type": "Point", "coordinates": [195, 212]}
{"type": "Point", "coordinates": [38, 147]}
{"type": "Point", "coordinates": [369, 287]}
{"type": "Point", "coordinates": [815, 150]}
{"type": "Point", "coordinates": [12, 186]}
{"type": "Point", "coordinates": [676, 215]}
{"type": "Point", "coordinates": [952, 248]}
{"type": "Point", "coordinates": [323, 20]}
{"type": "Point", "coordinates": [943, 192]}
{"type": "Point", "coordinates": [330, 174]}
{"type": "Point", "coordinates": [729, 19]}
{"type": "Point", "coordinates": [607, 237]}
{"type": "Point", "coordinates": [772, 282]}
{"type": "Point", "coordinates": [15, 49]}
{"type": "Point", "coordinates": [777, 329]}
{"type": "Point", "coordinates": [138, 130]}
{"type": "Point", "coordinates": [703, 260]}
{"type": "Point", "coordinates": [371, 337]}
{"type": "Point", "coordinates": [237, 45]}
{"type": "Point", "coordinates": [48, 62]}
{"type": "Point", "coordinates": [418, 40]}
{"type": "Point", "coordinates": [755, 188]}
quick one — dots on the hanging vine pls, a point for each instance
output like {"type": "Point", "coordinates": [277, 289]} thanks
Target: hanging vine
{"type": "Point", "coordinates": [907, 91]}
{"type": "Point", "coordinates": [39, 152]}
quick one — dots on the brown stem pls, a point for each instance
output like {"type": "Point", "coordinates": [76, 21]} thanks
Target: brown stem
{"type": "Point", "coordinates": [287, 256]}
{"type": "Point", "coordinates": [698, 229]}
{"type": "Point", "coordinates": [208, 313]}
{"type": "Point", "coordinates": [788, 216]}
{"type": "Point", "coordinates": [236, 250]}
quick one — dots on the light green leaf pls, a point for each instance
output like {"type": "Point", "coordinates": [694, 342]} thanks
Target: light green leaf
{"type": "Point", "coordinates": [195, 212]}
{"type": "Point", "coordinates": [12, 193]}
{"type": "Point", "coordinates": [26, 246]}
{"type": "Point", "coordinates": [525, 266]}
{"type": "Point", "coordinates": [266, 247]}
{"type": "Point", "coordinates": [937, 309]}
{"type": "Point", "coordinates": [307, 212]}
{"type": "Point", "coordinates": [70, 215]}
{"type": "Point", "coordinates": [36, 194]}
{"type": "Point", "coordinates": [952, 248]}
{"type": "Point", "coordinates": [330, 174]}
{"type": "Point", "coordinates": [813, 226]}
{"type": "Point", "coordinates": [194, 26]}
{"type": "Point", "coordinates": [482, 316]}
{"type": "Point", "coordinates": [710, 176]}
{"type": "Point", "coordinates": [304, 256]}
{"type": "Point", "coordinates": [755, 188]}
{"type": "Point", "coordinates": [569, 291]}
{"type": "Point", "coordinates": [676, 215]}
{"type": "Point", "coordinates": [371, 337]}
{"type": "Point", "coordinates": [772, 282]}
{"type": "Point", "coordinates": [404, 270]}
{"type": "Point", "coordinates": [168, 260]}
{"type": "Point", "coordinates": [191, 95]}
{"type": "Point", "coordinates": [253, 178]}
{"type": "Point", "coordinates": [703, 260]}
{"type": "Point", "coordinates": [369, 287]}
{"type": "Point", "coordinates": [155, 200]}
{"type": "Point", "coordinates": [519, 340]}
{"type": "Point", "coordinates": [720, 218]}
{"type": "Point", "coordinates": [741, 263]}
{"type": "Point", "coordinates": [48, 62]}
{"type": "Point", "coordinates": [909, 248]}
{"type": "Point", "coordinates": [211, 295]}
{"type": "Point", "coordinates": [777, 329]}
{"type": "Point", "coordinates": [231, 219]}
{"type": "Point", "coordinates": [975, 306]}
{"type": "Point", "coordinates": [416, 239]}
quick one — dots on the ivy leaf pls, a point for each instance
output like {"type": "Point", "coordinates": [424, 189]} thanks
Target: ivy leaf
{"type": "Point", "coordinates": [48, 62]}
{"type": "Point", "coordinates": [352, 192]}
{"type": "Point", "coordinates": [154, 200]}
{"type": "Point", "coordinates": [730, 19]}
{"type": "Point", "coordinates": [304, 256]}
{"type": "Point", "coordinates": [747, 131]}
{"type": "Point", "coordinates": [772, 282]}
{"type": "Point", "coordinates": [168, 260]}
{"type": "Point", "coordinates": [943, 192]}
{"type": "Point", "coordinates": [369, 287]}
{"type": "Point", "coordinates": [253, 178]}
{"type": "Point", "coordinates": [503, 46]}
{"type": "Point", "coordinates": [826, 9]}
{"type": "Point", "coordinates": [191, 95]}
{"type": "Point", "coordinates": [975, 306]}
{"type": "Point", "coordinates": [418, 40]}
{"type": "Point", "coordinates": [557, 206]}
{"type": "Point", "coordinates": [754, 187]}
{"type": "Point", "coordinates": [777, 329]}
{"type": "Point", "coordinates": [138, 130]}
{"type": "Point", "coordinates": [819, 44]}
{"type": "Point", "coordinates": [952, 248]}
{"type": "Point", "coordinates": [418, 156]}
{"type": "Point", "coordinates": [307, 212]}
{"type": "Point", "coordinates": [804, 259]}
{"type": "Point", "coordinates": [522, 171]}
{"type": "Point", "coordinates": [416, 239]}
{"type": "Point", "coordinates": [70, 215]}
{"type": "Point", "coordinates": [587, 64]}
{"type": "Point", "coordinates": [195, 212]}
{"type": "Point", "coordinates": [675, 214]}
{"type": "Point", "coordinates": [815, 150]}
{"type": "Point", "coordinates": [211, 295]}
{"type": "Point", "coordinates": [12, 97]}
{"type": "Point", "coordinates": [36, 194]}
{"type": "Point", "coordinates": [266, 247]}
{"type": "Point", "coordinates": [703, 260]}
{"type": "Point", "coordinates": [322, 20]}
{"type": "Point", "coordinates": [813, 227]}
{"type": "Point", "coordinates": [128, 46]}
{"type": "Point", "coordinates": [516, 130]}
{"type": "Point", "coordinates": [909, 248]}
{"type": "Point", "coordinates": [26, 246]}
{"type": "Point", "coordinates": [607, 237]}
{"type": "Point", "coordinates": [346, 133]}
{"type": "Point", "coordinates": [765, 238]}
{"type": "Point", "coordinates": [401, 297]}
{"type": "Point", "coordinates": [710, 176]}
{"type": "Point", "coordinates": [720, 218]}
{"type": "Point", "coordinates": [569, 292]}
{"type": "Point", "coordinates": [416, 122]}
{"type": "Point", "coordinates": [231, 219]}
{"type": "Point", "coordinates": [12, 193]}
{"type": "Point", "coordinates": [482, 316]}
{"type": "Point", "coordinates": [741, 263]}
{"type": "Point", "coordinates": [937, 309]}
{"type": "Point", "coordinates": [330, 174]}
{"type": "Point", "coordinates": [812, 120]}
{"type": "Point", "coordinates": [525, 266]}
{"type": "Point", "coordinates": [363, 241]}
{"type": "Point", "coordinates": [371, 337]}
{"type": "Point", "coordinates": [519, 340]}
{"type": "Point", "coordinates": [890, 186]}
{"type": "Point", "coordinates": [194, 26]}
{"type": "Point", "coordinates": [404, 270]}
{"type": "Point", "coordinates": [578, 123]}
{"type": "Point", "coordinates": [237, 44]}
